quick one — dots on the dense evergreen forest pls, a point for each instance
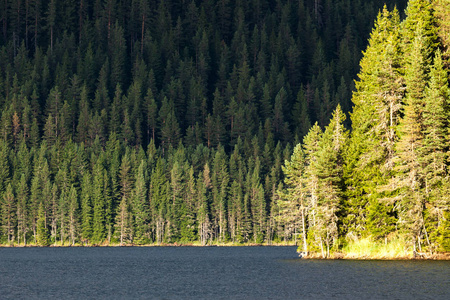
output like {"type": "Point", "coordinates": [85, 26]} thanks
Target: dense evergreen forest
{"type": "Point", "coordinates": [139, 122]}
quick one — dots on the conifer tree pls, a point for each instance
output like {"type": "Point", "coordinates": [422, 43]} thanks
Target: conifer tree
{"type": "Point", "coordinates": [178, 208]}
{"type": "Point", "coordinates": [140, 205]}
{"type": "Point", "coordinates": [219, 182]}
{"type": "Point", "coordinates": [42, 238]}
{"type": "Point", "coordinates": [441, 9]}
{"type": "Point", "coordinates": [63, 214]}
{"type": "Point", "coordinates": [22, 210]}
{"type": "Point", "coordinates": [73, 214]}
{"type": "Point", "coordinates": [151, 110]}
{"type": "Point", "coordinates": [41, 173]}
{"type": "Point", "coordinates": [98, 203]}
{"type": "Point", "coordinates": [158, 194]}
{"type": "Point", "coordinates": [369, 159]}
{"type": "Point", "coordinates": [328, 167]}
{"type": "Point", "coordinates": [293, 203]}
{"type": "Point", "coordinates": [123, 222]}
{"type": "Point", "coordinates": [408, 180]}
{"type": "Point", "coordinates": [170, 130]}
{"type": "Point", "coordinates": [311, 144]}
{"type": "Point", "coordinates": [420, 19]}
{"type": "Point", "coordinates": [203, 220]}
{"type": "Point", "coordinates": [235, 206]}
{"type": "Point", "coordinates": [51, 192]}
{"type": "Point", "coordinates": [434, 150]}
{"type": "Point", "coordinates": [125, 176]}
{"type": "Point", "coordinates": [257, 204]}
{"type": "Point", "coordinates": [4, 166]}
{"type": "Point", "coordinates": [9, 217]}
{"type": "Point", "coordinates": [86, 209]}
{"type": "Point", "coordinates": [188, 229]}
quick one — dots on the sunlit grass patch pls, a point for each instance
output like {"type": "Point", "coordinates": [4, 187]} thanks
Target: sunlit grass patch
{"type": "Point", "coordinates": [368, 248]}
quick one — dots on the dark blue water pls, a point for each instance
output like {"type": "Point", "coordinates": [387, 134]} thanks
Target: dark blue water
{"type": "Point", "coordinates": [211, 273]}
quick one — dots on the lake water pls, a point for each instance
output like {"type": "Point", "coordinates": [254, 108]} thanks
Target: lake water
{"type": "Point", "coordinates": [211, 273]}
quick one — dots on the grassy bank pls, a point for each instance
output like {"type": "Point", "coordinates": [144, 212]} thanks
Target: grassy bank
{"type": "Point", "coordinates": [367, 249]}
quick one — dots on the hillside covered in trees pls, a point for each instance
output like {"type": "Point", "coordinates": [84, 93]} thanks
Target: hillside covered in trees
{"type": "Point", "coordinates": [139, 122]}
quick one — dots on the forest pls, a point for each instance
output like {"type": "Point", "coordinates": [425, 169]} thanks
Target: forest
{"type": "Point", "coordinates": [319, 122]}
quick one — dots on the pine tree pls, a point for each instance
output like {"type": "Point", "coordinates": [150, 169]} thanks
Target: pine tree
{"type": "Point", "coordinates": [441, 9]}
{"type": "Point", "coordinates": [408, 180]}
{"type": "Point", "coordinates": [311, 144]}
{"type": "Point", "coordinates": [151, 110]}
{"type": "Point", "coordinates": [293, 203]}
{"type": "Point", "coordinates": [420, 19]}
{"type": "Point", "coordinates": [123, 222]}
{"type": "Point", "coordinates": [73, 214]}
{"type": "Point", "coordinates": [51, 192]}
{"type": "Point", "coordinates": [177, 208]}
{"type": "Point", "coordinates": [41, 173]}
{"type": "Point", "coordinates": [98, 203]}
{"type": "Point", "coordinates": [170, 130]}
{"type": "Point", "coordinates": [257, 204]}
{"type": "Point", "coordinates": [4, 166]}
{"type": "Point", "coordinates": [9, 217]}
{"type": "Point", "coordinates": [434, 153]}
{"type": "Point", "coordinates": [22, 211]}
{"type": "Point", "coordinates": [370, 156]}
{"type": "Point", "coordinates": [42, 238]}
{"type": "Point", "coordinates": [86, 209]}
{"type": "Point", "coordinates": [328, 167]}
{"type": "Point", "coordinates": [158, 196]}
{"type": "Point", "coordinates": [117, 52]}
{"type": "Point", "coordinates": [203, 220]}
{"type": "Point", "coordinates": [62, 209]}
{"type": "Point", "coordinates": [140, 206]}
{"type": "Point", "coordinates": [219, 181]}
{"type": "Point", "coordinates": [188, 229]}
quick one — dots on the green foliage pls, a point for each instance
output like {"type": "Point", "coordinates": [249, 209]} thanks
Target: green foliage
{"type": "Point", "coordinates": [145, 123]}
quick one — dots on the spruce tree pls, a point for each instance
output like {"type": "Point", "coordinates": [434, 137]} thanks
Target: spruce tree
{"type": "Point", "coordinates": [140, 206]}
{"type": "Point", "coordinates": [158, 196]}
{"type": "Point", "coordinates": [328, 167]}
{"type": "Point", "coordinates": [42, 238]}
{"type": "Point", "coordinates": [408, 180]}
{"type": "Point", "coordinates": [203, 219]}
{"type": "Point", "coordinates": [188, 229]}
{"type": "Point", "coordinates": [22, 211]}
{"type": "Point", "coordinates": [420, 18]}
{"type": "Point", "coordinates": [177, 207]}
{"type": "Point", "coordinates": [311, 144]}
{"type": "Point", "coordinates": [73, 214]}
{"type": "Point", "coordinates": [377, 100]}
{"type": "Point", "coordinates": [220, 180]}
{"type": "Point", "coordinates": [257, 204]}
{"type": "Point", "coordinates": [86, 209]}
{"type": "Point", "coordinates": [9, 217]}
{"type": "Point", "coordinates": [123, 222]}
{"type": "Point", "coordinates": [293, 203]}
{"type": "Point", "coordinates": [98, 202]}
{"type": "Point", "coordinates": [434, 152]}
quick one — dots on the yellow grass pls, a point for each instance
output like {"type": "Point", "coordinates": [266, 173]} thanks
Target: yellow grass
{"type": "Point", "coordinates": [367, 248]}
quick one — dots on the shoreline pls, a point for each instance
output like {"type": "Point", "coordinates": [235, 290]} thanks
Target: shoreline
{"type": "Point", "coordinates": [443, 256]}
{"type": "Point", "coordinates": [346, 256]}
{"type": "Point", "coordinates": [113, 245]}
